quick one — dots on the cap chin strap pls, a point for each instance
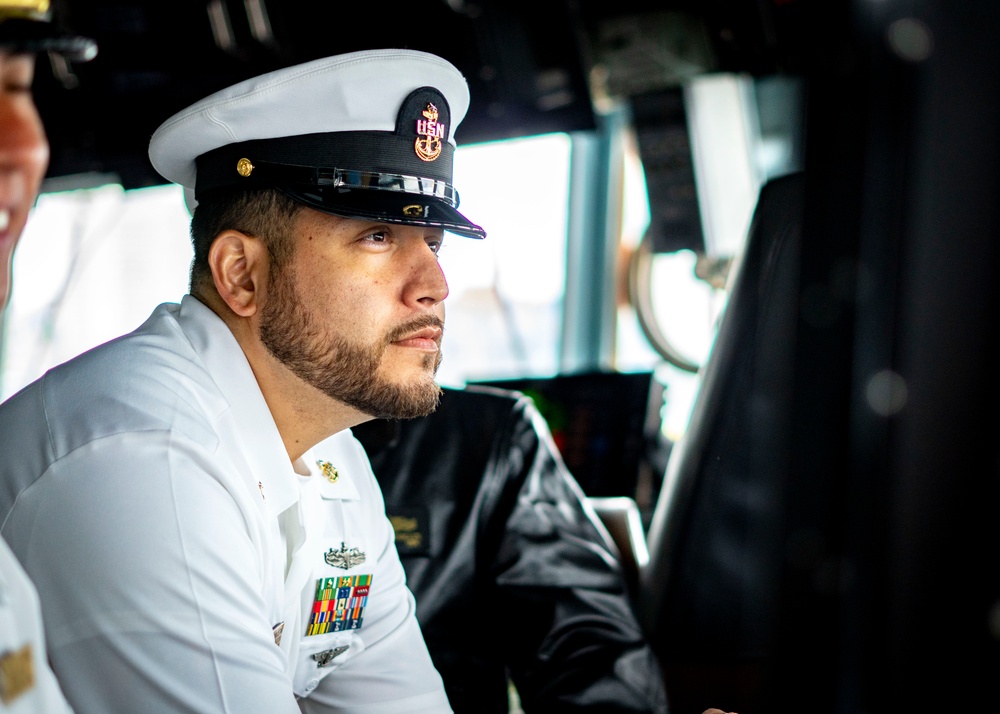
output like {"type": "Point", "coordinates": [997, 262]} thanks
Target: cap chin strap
{"type": "Point", "coordinates": [432, 213]}
{"type": "Point", "coordinates": [271, 174]}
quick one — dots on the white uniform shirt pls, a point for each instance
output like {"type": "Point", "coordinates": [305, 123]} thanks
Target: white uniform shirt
{"type": "Point", "coordinates": [147, 492]}
{"type": "Point", "coordinates": [27, 685]}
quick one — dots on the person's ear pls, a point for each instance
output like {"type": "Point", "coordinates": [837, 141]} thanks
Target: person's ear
{"type": "Point", "coordinates": [239, 264]}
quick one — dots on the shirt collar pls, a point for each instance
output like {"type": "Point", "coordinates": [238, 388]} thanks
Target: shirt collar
{"type": "Point", "coordinates": [337, 480]}
{"type": "Point", "coordinates": [262, 445]}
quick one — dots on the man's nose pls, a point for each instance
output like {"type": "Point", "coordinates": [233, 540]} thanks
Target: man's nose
{"type": "Point", "coordinates": [428, 285]}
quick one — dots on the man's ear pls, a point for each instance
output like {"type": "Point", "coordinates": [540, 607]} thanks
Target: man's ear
{"type": "Point", "coordinates": [239, 264]}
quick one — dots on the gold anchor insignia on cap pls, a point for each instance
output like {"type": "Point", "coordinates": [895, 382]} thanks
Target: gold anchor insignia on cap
{"type": "Point", "coordinates": [344, 558]}
{"type": "Point", "coordinates": [428, 144]}
{"type": "Point", "coordinates": [329, 470]}
{"type": "Point", "coordinates": [414, 210]}
{"type": "Point", "coordinates": [244, 168]}
{"type": "Point", "coordinates": [325, 657]}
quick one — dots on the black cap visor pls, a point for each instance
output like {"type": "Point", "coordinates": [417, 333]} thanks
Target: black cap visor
{"type": "Point", "coordinates": [368, 195]}
{"type": "Point", "coordinates": [385, 206]}
{"type": "Point", "coordinates": [22, 35]}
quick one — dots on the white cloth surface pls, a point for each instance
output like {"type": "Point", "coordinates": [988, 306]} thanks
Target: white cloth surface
{"type": "Point", "coordinates": [147, 492]}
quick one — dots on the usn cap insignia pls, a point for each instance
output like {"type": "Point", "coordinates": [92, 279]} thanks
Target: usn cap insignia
{"type": "Point", "coordinates": [425, 117]}
{"type": "Point", "coordinates": [430, 134]}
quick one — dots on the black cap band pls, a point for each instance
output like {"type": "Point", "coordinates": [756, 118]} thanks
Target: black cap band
{"type": "Point", "coordinates": [375, 152]}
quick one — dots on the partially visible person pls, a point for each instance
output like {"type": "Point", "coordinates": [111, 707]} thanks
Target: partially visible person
{"type": "Point", "coordinates": [27, 684]}
{"type": "Point", "coordinates": [513, 574]}
{"type": "Point", "coordinates": [192, 552]}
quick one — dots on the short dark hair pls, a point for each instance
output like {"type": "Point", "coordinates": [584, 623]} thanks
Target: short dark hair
{"type": "Point", "coordinates": [264, 213]}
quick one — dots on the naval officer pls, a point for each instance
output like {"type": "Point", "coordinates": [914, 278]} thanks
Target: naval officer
{"type": "Point", "coordinates": [27, 29]}
{"type": "Point", "coordinates": [190, 551]}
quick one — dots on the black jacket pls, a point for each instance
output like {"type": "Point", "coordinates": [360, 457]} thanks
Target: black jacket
{"type": "Point", "coordinates": [510, 570]}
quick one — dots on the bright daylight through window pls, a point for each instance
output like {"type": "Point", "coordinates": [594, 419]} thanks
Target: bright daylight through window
{"type": "Point", "coordinates": [95, 262]}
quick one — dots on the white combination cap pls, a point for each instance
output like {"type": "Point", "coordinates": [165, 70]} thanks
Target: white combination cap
{"type": "Point", "coordinates": [367, 135]}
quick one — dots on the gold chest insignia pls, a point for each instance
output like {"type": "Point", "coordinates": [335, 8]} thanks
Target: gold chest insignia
{"type": "Point", "coordinates": [430, 134]}
{"type": "Point", "coordinates": [17, 674]}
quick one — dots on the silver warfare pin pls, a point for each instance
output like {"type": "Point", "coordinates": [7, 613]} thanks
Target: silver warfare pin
{"type": "Point", "coordinates": [344, 558]}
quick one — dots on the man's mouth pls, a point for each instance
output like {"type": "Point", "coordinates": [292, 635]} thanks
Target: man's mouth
{"type": "Point", "coordinates": [425, 335]}
{"type": "Point", "coordinates": [426, 339]}
{"type": "Point", "coordinates": [4, 219]}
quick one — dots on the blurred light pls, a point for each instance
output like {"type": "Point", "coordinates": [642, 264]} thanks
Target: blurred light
{"type": "Point", "coordinates": [910, 39]}
{"type": "Point", "coordinates": [886, 393]}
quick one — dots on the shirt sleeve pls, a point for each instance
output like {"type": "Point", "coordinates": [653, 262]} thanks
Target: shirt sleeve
{"type": "Point", "coordinates": [151, 583]}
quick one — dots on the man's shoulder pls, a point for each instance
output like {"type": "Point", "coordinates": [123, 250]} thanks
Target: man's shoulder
{"type": "Point", "coordinates": [147, 380]}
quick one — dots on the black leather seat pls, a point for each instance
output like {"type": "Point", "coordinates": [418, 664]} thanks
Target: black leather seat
{"type": "Point", "coordinates": [512, 572]}
{"type": "Point", "coordinates": [708, 594]}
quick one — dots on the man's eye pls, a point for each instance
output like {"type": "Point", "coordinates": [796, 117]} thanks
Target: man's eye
{"type": "Point", "coordinates": [435, 245]}
{"type": "Point", "coordinates": [13, 87]}
{"type": "Point", "coordinates": [17, 85]}
{"type": "Point", "coordinates": [378, 237]}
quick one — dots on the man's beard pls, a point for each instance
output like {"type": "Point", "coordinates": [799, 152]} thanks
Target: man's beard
{"type": "Point", "coordinates": [344, 371]}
